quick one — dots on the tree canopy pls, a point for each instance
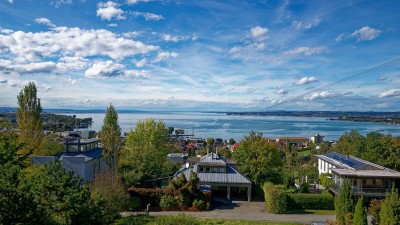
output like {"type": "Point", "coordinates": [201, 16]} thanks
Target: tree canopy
{"type": "Point", "coordinates": [110, 135]}
{"type": "Point", "coordinates": [344, 202]}
{"type": "Point", "coordinates": [29, 120]}
{"type": "Point", "coordinates": [258, 159]}
{"type": "Point", "coordinates": [145, 153]}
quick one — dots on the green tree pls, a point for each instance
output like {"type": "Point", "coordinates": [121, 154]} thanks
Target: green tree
{"type": "Point", "coordinates": [326, 180]}
{"type": "Point", "coordinates": [344, 202]}
{"type": "Point", "coordinates": [145, 153]}
{"type": "Point", "coordinates": [29, 121]}
{"type": "Point", "coordinates": [360, 215]}
{"type": "Point", "coordinates": [231, 141]}
{"type": "Point", "coordinates": [110, 135]}
{"type": "Point", "coordinates": [390, 209]}
{"type": "Point", "coordinates": [351, 143]}
{"type": "Point", "coordinates": [258, 159]}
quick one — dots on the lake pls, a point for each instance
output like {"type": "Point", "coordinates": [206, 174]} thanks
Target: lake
{"type": "Point", "coordinates": [220, 125]}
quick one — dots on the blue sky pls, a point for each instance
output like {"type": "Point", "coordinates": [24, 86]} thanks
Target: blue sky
{"type": "Point", "coordinates": [201, 55]}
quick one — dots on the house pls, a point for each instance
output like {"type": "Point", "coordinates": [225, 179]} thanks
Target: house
{"type": "Point", "coordinates": [214, 171]}
{"type": "Point", "coordinates": [316, 138]}
{"type": "Point", "coordinates": [177, 158]}
{"type": "Point", "coordinates": [294, 141]}
{"type": "Point", "coordinates": [83, 157]}
{"type": "Point", "coordinates": [367, 179]}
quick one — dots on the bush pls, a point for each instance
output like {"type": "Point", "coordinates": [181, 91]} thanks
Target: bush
{"type": "Point", "coordinates": [311, 201]}
{"type": "Point", "coordinates": [167, 202]}
{"type": "Point", "coordinates": [199, 204]}
{"type": "Point", "coordinates": [304, 187]}
{"type": "Point", "coordinates": [275, 198]}
{"type": "Point", "coordinates": [374, 209]}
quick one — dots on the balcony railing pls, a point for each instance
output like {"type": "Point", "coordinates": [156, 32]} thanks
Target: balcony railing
{"type": "Point", "coordinates": [363, 191]}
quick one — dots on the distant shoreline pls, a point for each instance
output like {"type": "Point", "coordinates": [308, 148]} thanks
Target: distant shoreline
{"type": "Point", "coordinates": [376, 117]}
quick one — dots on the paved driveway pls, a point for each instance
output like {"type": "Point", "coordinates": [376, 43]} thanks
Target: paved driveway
{"type": "Point", "coordinates": [242, 210]}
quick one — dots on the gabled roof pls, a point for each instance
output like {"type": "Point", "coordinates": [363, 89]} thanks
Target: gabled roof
{"type": "Point", "coordinates": [231, 176]}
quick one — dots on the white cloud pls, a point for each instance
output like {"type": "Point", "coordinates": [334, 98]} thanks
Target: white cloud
{"type": "Point", "coordinates": [141, 63]}
{"type": "Point", "coordinates": [259, 33]}
{"type": "Point", "coordinates": [44, 21]}
{"type": "Point", "coordinates": [109, 10]}
{"type": "Point", "coordinates": [390, 93]}
{"type": "Point", "coordinates": [132, 2]}
{"type": "Point", "coordinates": [131, 34]}
{"type": "Point", "coordinates": [340, 37]}
{"type": "Point", "coordinates": [58, 3]}
{"type": "Point", "coordinates": [11, 1]}
{"type": "Point", "coordinates": [105, 69]}
{"type": "Point", "coordinates": [366, 33]}
{"type": "Point", "coordinates": [274, 102]}
{"type": "Point", "coordinates": [68, 63]}
{"type": "Point", "coordinates": [28, 46]}
{"type": "Point", "coordinates": [165, 55]}
{"type": "Point", "coordinates": [281, 91]}
{"type": "Point", "coordinates": [112, 25]}
{"type": "Point", "coordinates": [321, 95]}
{"type": "Point", "coordinates": [307, 51]}
{"type": "Point", "coordinates": [28, 68]}
{"type": "Point", "coordinates": [306, 80]}
{"type": "Point", "coordinates": [173, 38]}
{"type": "Point", "coordinates": [148, 16]}
{"type": "Point", "coordinates": [306, 25]}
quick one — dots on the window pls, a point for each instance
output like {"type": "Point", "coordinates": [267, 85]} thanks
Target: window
{"type": "Point", "coordinates": [378, 182]}
{"type": "Point", "coordinates": [369, 182]}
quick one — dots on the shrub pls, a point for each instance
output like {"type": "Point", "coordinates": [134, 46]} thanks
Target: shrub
{"type": "Point", "coordinates": [374, 209]}
{"type": "Point", "coordinates": [311, 201]}
{"type": "Point", "coordinates": [304, 187]}
{"type": "Point", "coordinates": [275, 198]}
{"type": "Point", "coordinates": [360, 216]}
{"type": "Point", "coordinates": [199, 204]}
{"type": "Point", "coordinates": [167, 202]}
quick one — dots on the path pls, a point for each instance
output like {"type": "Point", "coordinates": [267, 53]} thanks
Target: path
{"type": "Point", "coordinates": [241, 210]}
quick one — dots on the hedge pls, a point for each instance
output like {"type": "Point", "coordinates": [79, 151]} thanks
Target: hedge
{"type": "Point", "coordinates": [311, 201]}
{"type": "Point", "coordinates": [275, 198]}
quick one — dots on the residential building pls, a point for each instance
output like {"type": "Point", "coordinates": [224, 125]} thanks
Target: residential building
{"type": "Point", "coordinates": [316, 138]}
{"type": "Point", "coordinates": [83, 157]}
{"type": "Point", "coordinates": [294, 141]}
{"type": "Point", "coordinates": [367, 179]}
{"type": "Point", "coordinates": [214, 171]}
{"type": "Point", "coordinates": [177, 158]}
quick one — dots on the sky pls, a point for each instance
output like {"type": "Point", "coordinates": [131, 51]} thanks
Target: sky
{"type": "Point", "coordinates": [208, 55]}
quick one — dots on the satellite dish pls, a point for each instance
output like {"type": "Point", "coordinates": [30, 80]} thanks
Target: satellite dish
{"type": "Point", "coordinates": [187, 165]}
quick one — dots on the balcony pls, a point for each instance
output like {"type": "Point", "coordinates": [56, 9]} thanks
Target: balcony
{"type": "Point", "coordinates": [364, 191]}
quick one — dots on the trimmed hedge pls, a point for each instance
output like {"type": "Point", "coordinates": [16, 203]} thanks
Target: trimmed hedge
{"type": "Point", "coordinates": [275, 198]}
{"type": "Point", "coordinates": [311, 201]}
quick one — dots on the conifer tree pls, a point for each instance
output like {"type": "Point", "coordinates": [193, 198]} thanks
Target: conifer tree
{"type": "Point", "coordinates": [29, 121]}
{"type": "Point", "coordinates": [110, 135]}
{"type": "Point", "coordinates": [344, 202]}
{"type": "Point", "coordinates": [390, 209]}
{"type": "Point", "coordinates": [360, 216]}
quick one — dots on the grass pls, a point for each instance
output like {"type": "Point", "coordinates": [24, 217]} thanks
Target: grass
{"type": "Point", "coordinates": [312, 211]}
{"type": "Point", "coordinates": [306, 152]}
{"type": "Point", "coordinates": [183, 219]}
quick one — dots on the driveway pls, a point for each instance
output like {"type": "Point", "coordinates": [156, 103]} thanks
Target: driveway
{"type": "Point", "coordinates": [243, 210]}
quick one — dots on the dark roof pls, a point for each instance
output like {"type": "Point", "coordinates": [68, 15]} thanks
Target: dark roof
{"type": "Point", "coordinates": [94, 153]}
{"type": "Point", "coordinates": [350, 161]}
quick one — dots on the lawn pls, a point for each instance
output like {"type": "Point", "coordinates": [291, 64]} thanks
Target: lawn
{"type": "Point", "coordinates": [188, 220]}
{"type": "Point", "coordinates": [312, 211]}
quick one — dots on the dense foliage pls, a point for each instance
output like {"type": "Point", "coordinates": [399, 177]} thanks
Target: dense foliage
{"type": "Point", "coordinates": [390, 209]}
{"type": "Point", "coordinates": [29, 120]}
{"type": "Point", "coordinates": [374, 210]}
{"type": "Point", "coordinates": [344, 203]}
{"type": "Point", "coordinates": [382, 149]}
{"type": "Point", "coordinates": [311, 201]}
{"type": "Point", "coordinates": [258, 159]}
{"type": "Point", "coordinates": [275, 198]}
{"type": "Point", "coordinates": [360, 214]}
{"type": "Point", "coordinates": [110, 135]}
{"type": "Point", "coordinates": [145, 153]}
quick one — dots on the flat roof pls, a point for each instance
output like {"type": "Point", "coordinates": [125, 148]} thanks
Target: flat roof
{"type": "Point", "coordinates": [348, 161]}
{"type": "Point", "coordinates": [366, 173]}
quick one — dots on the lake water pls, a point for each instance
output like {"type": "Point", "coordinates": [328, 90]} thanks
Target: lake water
{"type": "Point", "coordinates": [220, 125]}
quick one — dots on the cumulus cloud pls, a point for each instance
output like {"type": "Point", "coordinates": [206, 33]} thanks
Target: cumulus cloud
{"type": "Point", "coordinates": [148, 16]}
{"type": "Point", "coordinates": [340, 37]}
{"type": "Point", "coordinates": [281, 91]}
{"type": "Point", "coordinates": [306, 80]}
{"type": "Point", "coordinates": [390, 93]}
{"type": "Point", "coordinates": [104, 69]}
{"type": "Point", "coordinates": [44, 21]}
{"type": "Point", "coordinates": [165, 55]}
{"type": "Point", "coordinates": [366, 33]}
{"type": "Point", "coordinates": [259, 33]}
{"type": "Point", "coordinates": [274, 102]}
{"type": "Point", "coordinates": [112, 25]}
{"type": "Point", "coordinates": [27, 68]}
{"type": "Point", "coordinates": [109, 10]}
{"type": "Point", "coordinates": [107, 69]}
{"type": "Point", "coordinates": [307, 51]}
{"type": "Point", "coordinates": [326, 94]}
{"type": "Point", "coordinates": [174, 38]}
{"type": "Point", "coordinates": [58, 3]}
{"type": "Point", "coordinates": [140, 63]}
{"type": "Point", "coordinates": [28, 46]}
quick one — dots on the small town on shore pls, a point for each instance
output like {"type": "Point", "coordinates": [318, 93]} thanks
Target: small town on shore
{"type": "Point", "coordinates": [162, 174]}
